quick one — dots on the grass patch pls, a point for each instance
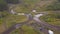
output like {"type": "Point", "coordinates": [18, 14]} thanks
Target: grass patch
{"type": "Point", "coordinates": [3, 14]}
{"type": "Point", "coordinates": [52, 18]}
{"type": "Point", "coordinates": [29, 30]}
{"type": "Point", "coordinates": [26, 6]}
{"type": "Point", "coordinates": [1, 20]}
{"type": "Point", "coordinates": [12, 19]}
{"type": "Point", "coordinates": [25, 30]}
{"type": "Point", "coordinates": [15, 32]}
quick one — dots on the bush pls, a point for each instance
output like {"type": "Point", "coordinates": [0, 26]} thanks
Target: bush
{"type": "Point", "coordinates": [54, 6]}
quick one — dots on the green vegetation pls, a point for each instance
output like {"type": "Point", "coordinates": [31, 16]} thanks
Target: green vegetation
{"type": "Point", "coordinates": [54, 6]}
{"type": "Point", "coordinates": [26, 6]}
{"type": "Point", "coordinates": [29, 30]}
{"type": "Point", "coordinates": [3, 15]}
{"type": "Point", "coordinates": [3, 5]}
{"type": "Point", "coordinates": [13, 19]}
{"type": "Point", "coordinates": [22, 9]}
{"type": "Point", "coordinates": [10, 19]}
{"type": "Point", "coordinates": [17, 31]}
{"type": "Point", "coordinates": [25, 30]}
{"type": "Point", "coordinates": [53, 18]}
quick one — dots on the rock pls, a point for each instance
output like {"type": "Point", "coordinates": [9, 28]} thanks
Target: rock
{"type": "Point", "coordinates": [33, 10]}
{"type": "Point", "coordinates": [13, 12]}
{"type": "Point", "coordinates": [20, 14]}
{"type": "Point", "coordinates": [50, 32]}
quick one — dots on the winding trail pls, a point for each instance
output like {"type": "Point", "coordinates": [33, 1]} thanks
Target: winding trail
{"type": "Point", "coordinates": [39, 28]}
{"type": "Point", "coordinates": [8, 31]}
{"type": "Point", "coordinates": [38, 22]}
{"type": "Point", "coordinates": [44, 24]}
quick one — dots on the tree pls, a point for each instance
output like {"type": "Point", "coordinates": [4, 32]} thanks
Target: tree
{"type": "Point", "coordinates": [54, 6]}
{"type": "Point", "coordinates": [3, 5]}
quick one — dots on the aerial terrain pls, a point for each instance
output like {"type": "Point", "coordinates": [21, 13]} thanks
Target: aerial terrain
{"type": "Point", "coordinates": [29, 16]}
